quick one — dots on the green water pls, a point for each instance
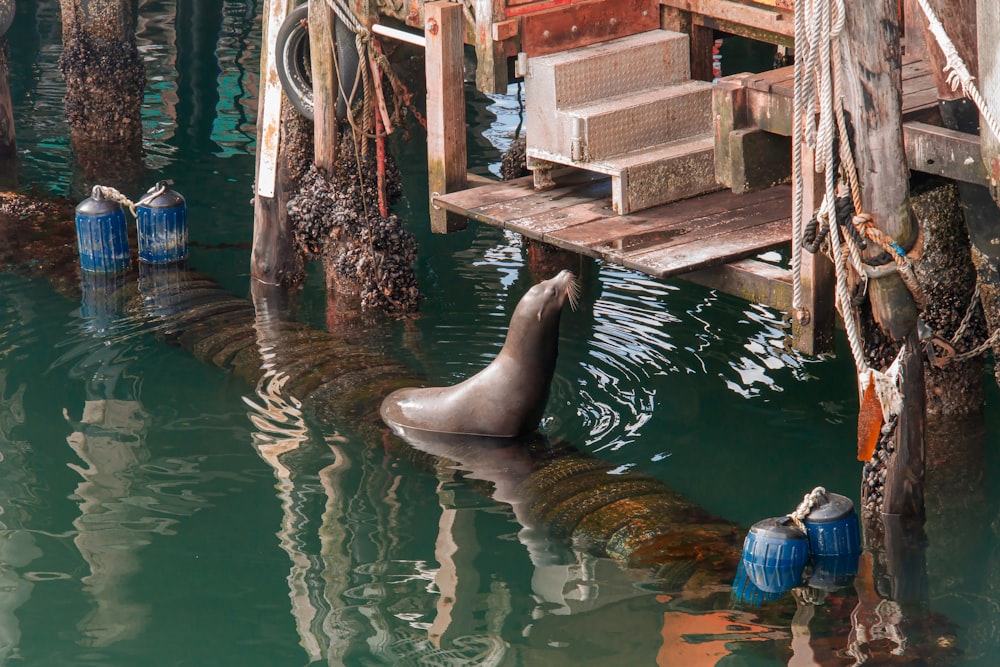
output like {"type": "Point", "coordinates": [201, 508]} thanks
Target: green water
{"type": "Point", "coordinates": [156, 511]}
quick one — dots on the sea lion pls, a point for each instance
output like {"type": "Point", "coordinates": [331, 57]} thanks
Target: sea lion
{"type": "Point", "coordinates": [506, 399]}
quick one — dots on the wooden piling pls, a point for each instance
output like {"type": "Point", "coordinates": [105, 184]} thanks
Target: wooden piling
{"type": "Point", "coordinates": [812, 326]}
{"type": "Point", "coordinates": [446, 158]}
{"type": "Point", "coordinates": [324, 85]}
{"type": "Point", "coordinates": [105, 83]}
{"type": "Point", "coordinates": [8, 140]}
{"type": "Point", "coordinates": [988, 263]}
{"type": "Point", "coordinates": [273, 258]}
{"type": "Point", "coordinates": [872, 80]}
{"type": "Point", "coordinates": [988, 22]}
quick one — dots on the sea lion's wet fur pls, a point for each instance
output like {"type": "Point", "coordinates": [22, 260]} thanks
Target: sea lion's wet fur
{"type": "Point", "coordinates": [507, 398]}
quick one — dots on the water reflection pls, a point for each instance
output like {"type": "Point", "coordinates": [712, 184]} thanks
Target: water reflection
{"type": "Point", "coordinates": [121, 502]}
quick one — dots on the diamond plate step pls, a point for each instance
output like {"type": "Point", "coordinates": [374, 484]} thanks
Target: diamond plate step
{"type": "Point", "coordinates": [646, 178]}
{"type": "Point", "coordinates": [631, 122]}
{"type": "Point", "coordinates": [648, 60]}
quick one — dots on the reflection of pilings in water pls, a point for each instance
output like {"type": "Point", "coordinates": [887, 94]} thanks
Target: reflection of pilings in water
{"type": "Point", "coordinates": [958, 512]}
{"type": "Point", "coordinates": [110, 440]}
{"type": "Point", "coordinates": [280, 429]}
{"type": "Point", "coordinates": [17, 546]}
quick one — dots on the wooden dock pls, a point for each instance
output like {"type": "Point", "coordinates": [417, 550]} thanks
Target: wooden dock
{"type": "Point", "coordinates": [709, 230]}
{"type": "Point", "coordinates": [665, 241]}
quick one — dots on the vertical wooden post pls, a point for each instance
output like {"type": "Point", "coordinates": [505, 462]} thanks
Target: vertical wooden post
{"type": "Point", "coordinates": [105, 81]}
{"type": "Point", "coordinates": [491, 63]}
{"type": "Point", "coordinates": [273, 256]}
{"type": "Point", "coordinates": [324, 85]}
{"type": "Point", "coordinates": [812, 329]}
{"type": "Point", "coordinates": [446, 159]}
{"type": "Point", "coordinates": [988, 22]}
{"type": "Point", "coordinates": [872, 80]}
{"type": "Point", "coordinates": [8, 141]}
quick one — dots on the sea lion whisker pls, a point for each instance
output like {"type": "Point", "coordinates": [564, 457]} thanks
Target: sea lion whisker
{"type": "Point", "coordinates": [573, 293]}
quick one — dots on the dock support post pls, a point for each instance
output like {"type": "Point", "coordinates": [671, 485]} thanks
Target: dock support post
{"type": "Point", "coordinates": [105, 82]}
{"type": "Point", "coordinates": [491, 62]}
{"type": "Point", "coordinates": [324, 85]}
{"type": "Point", "coordinates": [273, 259]}
{"type": "Point", "coordinates": [446, 158]}
{"type": "Point", "coordinates": [8, 141]}
{"type": "Point", "coordinates": [987, 254]}
{"type": "Point", "coordinates": [872, 66]}
{"type": "Point", "coordinates": [813, 325]}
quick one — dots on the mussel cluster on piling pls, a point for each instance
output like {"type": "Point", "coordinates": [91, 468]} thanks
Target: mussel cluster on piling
{"type": "Point", "coordinates": [336, 218]}
{"type": "Point", "coordinates": [876, 469]}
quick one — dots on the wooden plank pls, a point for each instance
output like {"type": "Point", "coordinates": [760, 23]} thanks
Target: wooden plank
{"type": "Point", "coordinates": [707, 252]}
{"type": "Point", "coordinates": [537, 203]}
{"type": "Point", "coordinates": [988, 21]}
{"type": "Point", "coordinates": [324, 85]}
{"type": "Point", "coordinates": [586, 22]}
{"type": "Point", "coordinates": [753, 16]}
{"type": "Point", "coordinates": [697, 210]}
{"type": "Point", "coordinates": [937, 150]}
{"type": "Point", "coordinates": [465, 201]}
{"type": "Point", "coordinates": [491, 62]}
{"type": "Point", "coordinates": [444, 66]}
{"type": "Point", "coordinates": [749, 279]}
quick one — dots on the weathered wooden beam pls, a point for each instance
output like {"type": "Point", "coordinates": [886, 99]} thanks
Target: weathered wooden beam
{"type": "Point", "coordinates": [949, 153]}
{"type": "Point", "coordinates": [446, 156]}
{"type": "Point", "coordinates": [749, 279]}
{"type": "Point", "coordinates": [324, 84]}
{"type": "Point", "coordinates": [491, 61]}
{"type": "Point", "coordinates": [812, 326]}
{"type": "Point", "coordinates": [8, 139]}
{"type": "Point", "coordinates": [988, 22]}
{"type": "Point", "coordinates": [754, 21]}
{"type": "Point", "coordinates": [872, 66]}
{"type": "Point", "coordinates": [272, 258]}
{"type": "Point", "coordinates": [729, 113]}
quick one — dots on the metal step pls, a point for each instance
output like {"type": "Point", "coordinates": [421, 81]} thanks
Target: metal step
{"type": "Point", "coordinates": [648, 60]}
{"type": "Point", "coordinates": [630, 122]}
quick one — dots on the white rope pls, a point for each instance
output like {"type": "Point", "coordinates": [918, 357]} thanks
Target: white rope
{"type": "Point", "coordinates": [817, 82]}
{"type": "Point", "coordinates": [958, 72]}
{"type": "Point", "coordinates": [809, 501]}
{"type": "Point", "coordinates": [108, 192]}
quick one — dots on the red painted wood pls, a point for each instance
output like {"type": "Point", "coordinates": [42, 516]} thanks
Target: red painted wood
{"type": "Point", "coordinates": [585, 22]}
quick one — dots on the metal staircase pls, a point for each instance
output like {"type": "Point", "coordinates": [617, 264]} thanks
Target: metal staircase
{"type": "Point", "coordinates": [626, 108]}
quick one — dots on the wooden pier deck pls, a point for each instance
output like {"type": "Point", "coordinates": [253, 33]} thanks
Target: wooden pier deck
{"type": "Point", "coordinates": [693, 234]}
{"type": "Point", "coordinates": [664, 241]}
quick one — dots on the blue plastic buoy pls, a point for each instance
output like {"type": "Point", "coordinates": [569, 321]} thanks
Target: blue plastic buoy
{"type": "Point", "coordinates": [101, 235]}
{"type": "Point", "coordinates": [832, 526]}
{"type": "Point", "coordinates": [834, 534]}
{"type": "Point", "coordinates": [746, 593]}
{"type": "Point", "coordinates": [161, 217]}
{"type": "Point", "coordinates": [775, 553]}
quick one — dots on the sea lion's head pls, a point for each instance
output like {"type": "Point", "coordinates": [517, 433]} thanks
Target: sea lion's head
{"type": "Point", "coordinates": [548, 297]}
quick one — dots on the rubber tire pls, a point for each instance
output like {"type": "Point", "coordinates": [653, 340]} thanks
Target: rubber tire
{"type": "Point", "coordinates": [294, 68]}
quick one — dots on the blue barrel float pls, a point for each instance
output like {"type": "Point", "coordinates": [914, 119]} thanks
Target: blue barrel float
{"type": "Point", "coordinates": [776, 551]}
{"type": "Point", "coordinates": [101, 235]}
{"type": "Point", "coordinates": [161, 218]}
{"type": "Point", "coordinates": [834, 541]}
